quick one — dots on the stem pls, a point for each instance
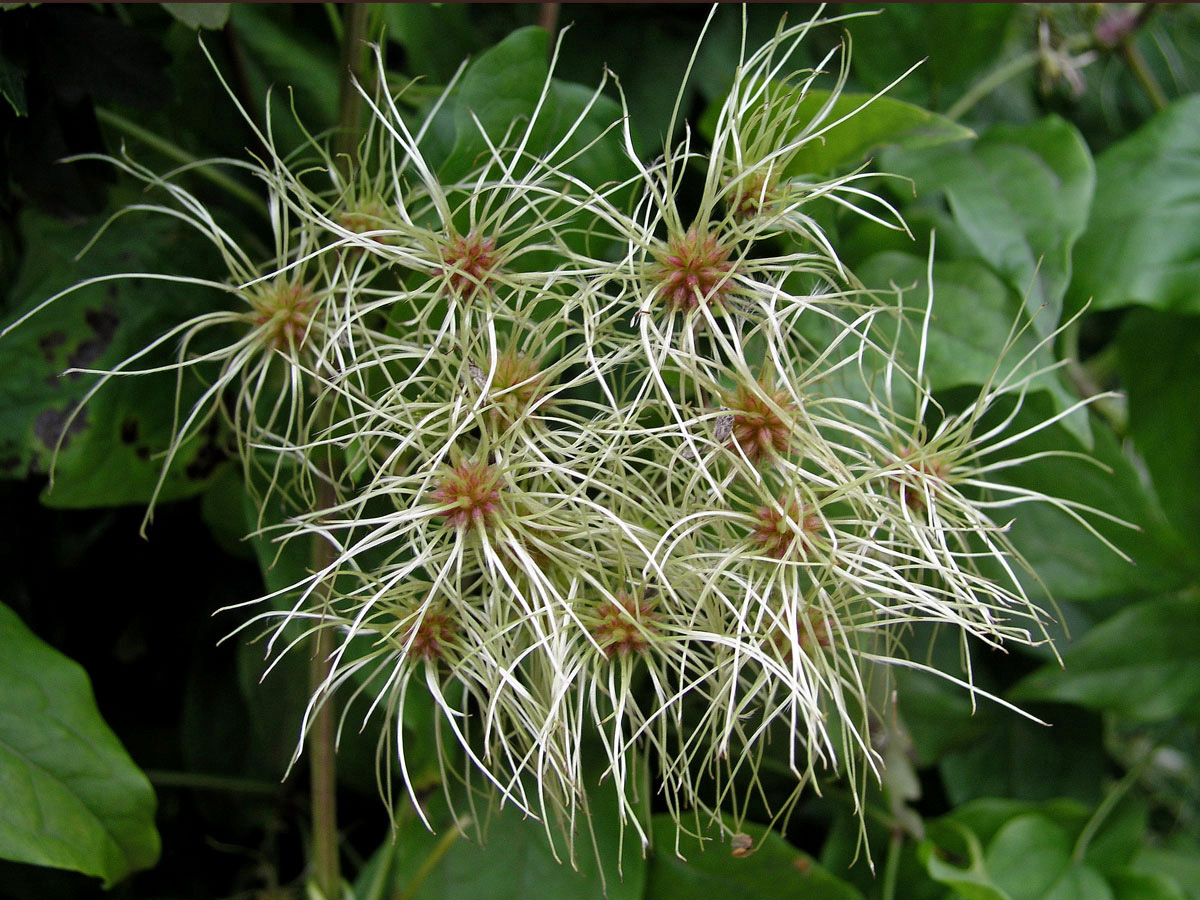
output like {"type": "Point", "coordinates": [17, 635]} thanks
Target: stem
{"type": "Point", "coordinates": [179, 155]}
{"type": "Point", "coordinates": [1085, 384]}
{"type": "Point", "coordinates": [1074, 44]}
{"type": "Point", "coordinates": [990, 82]}
{"type": "Point", "coordinates": [891, 866]}
{"type": "Point", "coordinates": [431, 861]}
{"type": "Point", "coordinates": [201, 782]}
{"type": "Point", "coordinates": [1111, 799]}
{"type": "Point", "coordinates": [548, 19]}
{"type": "Point", "coordinates": [1137, 65]}
{"type": "Point", "coordinates": [322, 754]}
{"type": "Point", "coordinates": [349, 100]}
{"type": "Point", "coordinates": [322, 734]}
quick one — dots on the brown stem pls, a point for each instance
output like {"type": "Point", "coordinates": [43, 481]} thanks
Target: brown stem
{"type": "Point", "coordinates": [548, 19]}
{"type": "Point", "coordinates": [322, 733]}
{"type": "Point", "coordinates": [349, 100]}
{"type": "Point", "coordinates": [322, 756]}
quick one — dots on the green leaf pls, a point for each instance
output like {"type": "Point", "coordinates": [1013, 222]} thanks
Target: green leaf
{"type": "Point", "coordinates": [1071, 563]}
{"type": "Point", "coordinates": [515, 861]}
{"type": "Point", "coordinates": [1141, 663]}
{"type": "Point", "coordinates": [282, 54]}
{"type": "Point", "coordinates": [1142, 244]}
{"type": "Point", "coordinates": [1023, 760]}
{"type": "Point", "coordinates": [970, 881]}
{"type": "Point", "coordinates": [986, 816]}
{"type": "Point", "coordinates": [199, 15]}
{"type": "Point", "coordinates": [1021, 194]}
{"type": "Point", "coordinates": [938, 715]}
{"type": "Point", "coordinates": [500, 92]}
{"type": "Point", "coordinates": [955, 41]}
{"type": "Point", "coordinates": [873, 122]}
{"type": "Point", "coordinates": [500, 89]}
{"type": "Point", "coordinates": [774, 870]}
{"type": "Point", "coordinates": [885, 122]}
{"type": "Point", "coordinates": [1143, 886]}
{"type": "Point", "coordinates": [12, 87]}
{"type": "Point", "coordinates": [499, 96]}
{"type": "Point", "coordinates": [1178, 861]}
{"type": "Point", "coordinates": [1030, 857]}
{"type": "Point", "coordinates": [973, 317]}
{"type": "Point", "coordinates": [1160, 368]}
{"type": "Point", "coordinates": [111, 453]}
{"type": "Point", "coordinates": [70, 796]}
{"type": "Point", "coordinates": [435, 36]}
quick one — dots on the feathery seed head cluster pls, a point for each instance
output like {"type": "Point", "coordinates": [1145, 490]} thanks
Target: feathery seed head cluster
{"type": "Point", "coordinates": [517, 383]}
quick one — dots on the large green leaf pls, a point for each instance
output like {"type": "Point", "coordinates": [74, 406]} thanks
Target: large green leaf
{"type": "Point", "coordinates": [973, 318]}
{"type": "Point", "coordinates": [280, 54]}
{"type": "Point", "coordinates": [1142, 243]}
{"type": "Point", "coordinates": [515, 861]}
{"type": "Point", "coordinates": [774, 870]}
{"type": "Point", "coordinates": [1160, 368]}
{"type": "Point", "coordinates": [1000, 849]}
{"type": "Point", "coordinates": [499, 93]}
{"type": "Point", "coordinates": [436, 37]}
{"type": "Point", "coordinates": [70, 796]}
{"type": "Point", "coordinates": [970, 881]}
{"type": "Point", "coordinates": [1144, 886]}
{"type": "Point", "coordinates": [1024, 760]}
{"type": "Point", "coordinates": [111, 453]}
{"type": "Point", "coordinates": [1141, 663]}
{"type": "Point", "coordinates": [200, 15]}
{"type": "Point", "coordinates": [872, 124]}
{"type": "Point", "coordinates": [1179, 861]}
{"type": "Point", "coordinates": [1070, 562]}
{"type": "Point", "coordinates": [956, 42]}
{"type": "Point", "coordinates": [1021, 194]}
{"type": "Point", "coordinates": [1031, 859]}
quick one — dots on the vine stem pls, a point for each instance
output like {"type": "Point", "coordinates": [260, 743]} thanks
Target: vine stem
{"type": "Point", "coordinates": [1141, 72]}
{"type": "Point", "coordinates": [179, 155]}
{"type": "Point", "coordinates": [321, 735]}
{"type": "Point", "coordinates": [323, 732]}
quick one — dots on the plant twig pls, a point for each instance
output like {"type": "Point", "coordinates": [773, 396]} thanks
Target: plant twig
{"type": "Point", "coordinates": [177, 153]}
{"type": "Point", "coordinates": [1137, 65]}
{"type": "Point", "coordinates": [431, 861]}
{"type": "Point", "coordinates": [321, 736]}
{"type": "Point", "coordinates": [202, 782]}
{"type": "Point", "coordinates": [349, 100]}
{"type": "Point", "coordinates": [548, 19]}
{"type": "Point", "coordinates": [321, 749]}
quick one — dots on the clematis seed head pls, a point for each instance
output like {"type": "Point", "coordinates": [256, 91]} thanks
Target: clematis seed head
{"type": "Point", "coordinates": [625, 624]}
{"type": "Point", "coordinates": [468, 496]}
{"type": "Point", "coordinates": [693, 270]}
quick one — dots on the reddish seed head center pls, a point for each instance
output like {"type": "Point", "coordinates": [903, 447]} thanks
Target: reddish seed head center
{"type": "Point", "coordinates": [284, 310]}
{"type": "Point", "coordinates": [625, 625]}
{"type": "Point", "coordinates": [752, 196]}
{"type": "Point", "coordinates": [920, 479]}
{"type": "Point", "coordinates": [469, 263]}
{"type": "Point", "coordinates": [471, 491]}
{"type": "Point", "coordinates": [812, 631]}
{"type": "Point", "coordinates": [516, 385]}
{"type": "Point", "coordinates": [775, 533]}
{"type": "Point", "coordinates": [693, 269]}
{"type": "Point", "coordinates": [431, 637]}
{"type": "Point", "coordinates": [758, 428]}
